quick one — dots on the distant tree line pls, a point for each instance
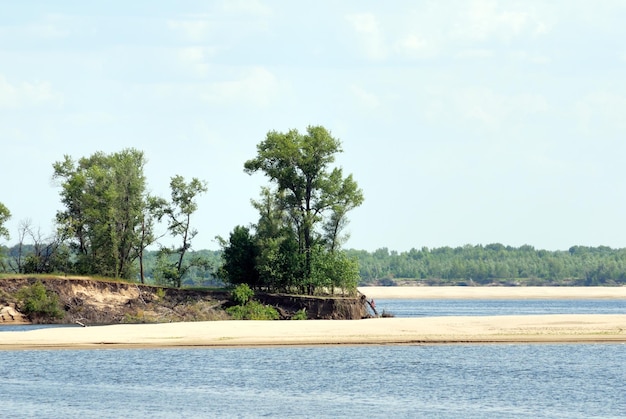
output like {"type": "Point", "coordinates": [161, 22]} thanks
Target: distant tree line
{"type": "Point", "coordinates": [494, 264]}
{"type": "Point", "coordinates": [200, 275]}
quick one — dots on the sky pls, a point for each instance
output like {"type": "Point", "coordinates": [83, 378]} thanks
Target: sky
{"type": "Point", "coordinates": [463, 122]}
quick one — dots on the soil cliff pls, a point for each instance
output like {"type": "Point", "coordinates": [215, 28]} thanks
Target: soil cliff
{"type": "Point", "coordinates": [88, 301]}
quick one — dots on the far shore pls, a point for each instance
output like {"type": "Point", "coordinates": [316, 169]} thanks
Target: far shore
{"type": "Point", "coordinates": [486, 292]}
{"type": "Point", "coordinates": [594, 328]}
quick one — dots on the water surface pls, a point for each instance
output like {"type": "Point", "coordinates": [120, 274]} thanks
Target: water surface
{"type": "Point", "coordinates": [444, 381]}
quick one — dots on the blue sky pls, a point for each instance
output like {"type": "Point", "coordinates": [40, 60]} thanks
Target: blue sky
{"type": "Point", "coordinates": [464, 122]}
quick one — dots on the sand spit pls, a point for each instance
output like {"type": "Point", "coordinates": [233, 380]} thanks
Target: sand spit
{"type": "Point", "coordinates": [433, 330]}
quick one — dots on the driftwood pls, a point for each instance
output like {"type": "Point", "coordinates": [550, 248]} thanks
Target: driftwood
{"type": "Point", "coordinates": [372, 305]}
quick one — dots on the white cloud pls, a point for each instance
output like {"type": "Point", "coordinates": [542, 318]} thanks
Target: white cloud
{"type": "Point", "coordinates": [254, 7]}
{"type": "Point", "coordinates": [530, 57]}
{"type": "Point", "coordinates": [91, 118]}
{"type": "Point", "coordinates": [258, 87]}
{"type": "Point", "coordinates": [466, 31]}
{"type": "Point", "coordinates": [26, 94]}
{"type": "Point", "coordinates": [474, 53]}
{"type": "Point", "coordinates": [485, 19]}
{"type": "Point", "coordinates": [49, 27]}
{"type": "Point", "coordinates": [47, 31]}
{"type": "Point", "coordinates": [602, 112]}
{"type": "Point", "coordinates": [493, 110]}
{"type": "Point", "coordinates": [414, 46]}
{"type": "Point", "coordinates": [365, 98]}
{"type": "Point", "coordinates": [483, 108]}
{"type": "Point", "coordinates": [194, 29]}
{"type": "Point", "coordinates": [481, 105]}
{"type": "Point", "coordinates": [370, 35]}
{"type": "Point", "coordinates": [196, 59]}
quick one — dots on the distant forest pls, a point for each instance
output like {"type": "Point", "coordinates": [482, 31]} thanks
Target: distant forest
{"type": "Point", "coordinates": [493, 264]}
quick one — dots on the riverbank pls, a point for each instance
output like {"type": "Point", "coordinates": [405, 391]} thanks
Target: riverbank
{"type": "Point", "coordinates": [435, 330]}
{"type": "Point", "coordinates": [488, 293]}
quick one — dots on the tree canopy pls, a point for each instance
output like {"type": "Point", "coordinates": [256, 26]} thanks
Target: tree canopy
{"type": "Point", "coordinates": [104, 198]}
{"type": "Point", "coordinates": [301, 216]}
{"type": "Point", "coordinates": [5, 214]}
{"type": "Point", "coordinates": [494, 263]}
{"type": "Point", "coordinates": [177, 214]}
{"type": "Point", "coordinates": [108, 221]}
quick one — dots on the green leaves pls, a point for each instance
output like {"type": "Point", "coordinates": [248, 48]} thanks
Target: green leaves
{"type": "Point", "coordinates": [307, 208]}
{"type": "Point", "coordinates": [36, 300]}
{"type": "Point", "coordinates": [104, 199]}
{"type": "Point", "coordinates": [242, 294]}
{"type": "Point", "coordinates": [5, 214]}
{"type": "Point", "coordinates": [239, 258]}
{"type": "Point", "coordinates": [178, 216]}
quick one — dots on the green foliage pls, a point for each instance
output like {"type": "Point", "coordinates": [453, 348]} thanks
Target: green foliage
{"type": "Point", "coordinates": [37, 300]}
{"type": "Point", "coordinates": [165, 272]}
{"type": "Point", "coordinates": [160, 293]}
{"type": "Point", "coordinates": [177, 214]}
{"type": "Point", "coordinates": [306, 212]}
{"type": "Point", "coordinates": [494, 264]}
{"type": "Point", "coordinates": [242, 294]}
{"type": "Point", "coordinates": [331, 270]}
{"type": "Point", "coordinates": [104, 199]}
{"type": "Point", "coordinates": [194, 275]}
{"type": "Point", "coordinates": [253, 310]}
{"type": "Point", "coordinates": [300, 315]}
{"type": "Point", "coordinates": [5, 214]}
{"type": "Point", "coordinates": [239, 258]}
{"type": "Point", "coordinates": [248, 309]}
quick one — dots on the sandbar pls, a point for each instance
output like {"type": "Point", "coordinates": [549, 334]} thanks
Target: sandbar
{"type": "Point", "coordinates": [567, 328]}
{"type": "Point", "coordinates": [418, 292]}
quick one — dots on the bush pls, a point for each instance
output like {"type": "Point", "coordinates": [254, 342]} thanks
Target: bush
{"type": "Point", "coordinates": [36, 300]}
{"type": "Point", "coordinates": [160, 293]}
{"type": "Point", "coordinates": [242, 294]}
{"type": "Point", "coordinates": [253, 310]}
{"type": "Point", "coordinates": [300, 315]}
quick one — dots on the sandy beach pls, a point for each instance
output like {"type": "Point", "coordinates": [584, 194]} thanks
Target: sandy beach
{"type": "Point", "coordinates": [495, 292]}
{"type": "Point", "coordinates": [434, 330]}
{"type": "Point", "coordinates": [570, 328]}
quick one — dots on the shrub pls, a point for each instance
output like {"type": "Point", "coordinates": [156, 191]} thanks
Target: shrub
{"type": "Point", "coordinates": [242, 294]}
{"type": "Point", "coordinates": [300, 315]}
{"type": "Point", "coordinates": [253, 310]}
{"type": "Point", "coordinates": [160, 293]}
{"type": "Point", "coordinates": [36, 300]}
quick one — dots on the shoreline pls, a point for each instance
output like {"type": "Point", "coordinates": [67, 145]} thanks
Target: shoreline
{"type": "Point", "coordinates": [488, 293]}
{"type": "Point", "coordinates": [525, 329]}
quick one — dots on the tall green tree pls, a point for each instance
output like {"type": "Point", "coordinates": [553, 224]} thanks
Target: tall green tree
{"type": "Point", "coordinates": [239, 257]}
{"type": "Point", "coordinates": [279, 262]}
{"type": "Point", "coordinates": [104, 198]}
{"type": "Point", "coordinates": [177, 214]}
{"type": "Point", "coordinates": [313, 196]}
{"type": "Point", "coordinates": [5, 214]}
{"type": "Point", "coordinates": [146, 235]}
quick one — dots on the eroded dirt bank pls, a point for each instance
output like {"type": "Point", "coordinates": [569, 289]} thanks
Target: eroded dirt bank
{"type": "Point", "coordinates": [91, 302]}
